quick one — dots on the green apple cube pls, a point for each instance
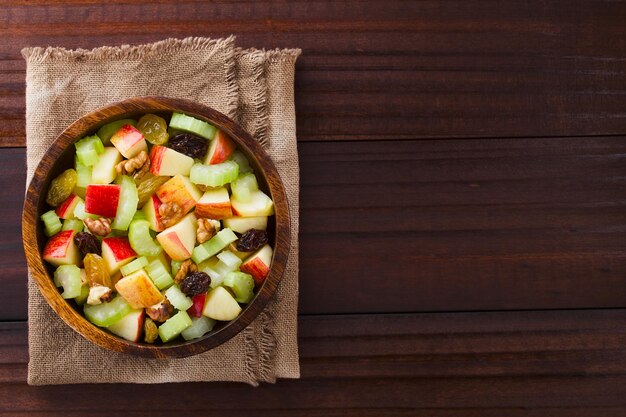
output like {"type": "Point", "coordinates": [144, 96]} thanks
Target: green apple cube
{"type": "Point", "coordinates": [73, 224]}
{"type": "Point", "coordinates": [177, 298]}
{"type": "Point", "coordinates": [244, 186]}
{"type": "Point", "coordinates": [241, 160]}
{"type": "Point", "coordinates": [68, 277]}
{"type": "Point", "coordinates": [140, 239]}
{"type": "Point", "coordinates": [84, 174]}
{"type": "Point", "coordinates": [109, 129]}
{"type": "Point", "coordinates": [159, 275]}
{"type": "Point", "coordinates": [199, 327]}
{"type": "Point", "coordinates": [134, 266]}
{"type": "Point", "coordinates": [51, 222]}
{"type": "Point", "coordinates": [242, 285]}
{"type": "Point", "coordinates": [186, 123]}
{"type": "Point", "coordinates": [214, 175]}
{"type": "Point", "coordinates": [106, 314]}
{"type": "Point", "coordinates": [88, 150]}
{"type": "Point", "coordinates": [175, 326]}
{"type": "Point", "coordinates": [211, 247]}
{"type": "Point", "coordinates": [127, 205]}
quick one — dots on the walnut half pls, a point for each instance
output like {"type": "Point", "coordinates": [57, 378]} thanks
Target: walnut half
{"type": "Point", "coordinates": [207, 228]}
{"type": "Point", "coordinates": [170, 213]}
{"type": "Point", "coordinates": [136, 166]}
{"type": "Point", "coordinates": [186, 268]}
{"type": "Point", "coordinates": [100, 227]}
{"type": "Point", "coordinates": [98, 294]}
{"type": "Point", "coordinates": [160, 311]}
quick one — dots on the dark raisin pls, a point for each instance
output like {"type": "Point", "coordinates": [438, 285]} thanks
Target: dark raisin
{"type": "Point", "coordinates": [87, 243]}
{"type": "Point", "coordinates": [190, 145]}
{"type": "Point", "coordinates": [195, 283]}
{"type": "Point", "coordinates": [252, 240]}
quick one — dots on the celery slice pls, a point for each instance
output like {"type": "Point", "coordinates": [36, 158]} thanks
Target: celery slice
{"type": "Point", "coordinates": [73, 224]}
{"type": "Point", "coordinates": [199, 327]}
{"type": "Point", "coordinates": [214, 175]}
{"type": "Point", "coordinates": [106, 314]}
{"type": "Point", "coordinates": [175, 266]}
{"type": "Point", "coordinates": [127, 205]}
{"type": "Point", "coordinates": [84, 174]}
{"type": "Point", "coordinates": [242, 161]}
{"type": "Point", "coordinates": [88, 150]}
{"type": "Point", "coordinates": [140, 239]}
{"type": "Point", "coordinates": [175, 326]}
{"type": "Point", "coordinates": [52, 223]}
{"type": "Point", "coordinates": [213, 245]}
{"type": "Point", "coordinates": [68, 276]}
{"type": "Point", "coordinates": [109, 129]}
{"type": "Point", "coordinates": [177, 298]}
{"type": "Point", "coordinates": [159, 275]}
{"type": "Point", "coordinates": [201, 128]}
{"type": "Point", "coordinates": [242, 285]}
{"type": "Point", "coordinates": [134, 266]}
{"type": "Point", "coordinates": [244, 186]}
{"type": "Point", "coordinates": [84, 294]}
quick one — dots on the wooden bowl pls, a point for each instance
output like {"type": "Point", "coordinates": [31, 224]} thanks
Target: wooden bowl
{"type": "Point", "coordinates": [60, 156]}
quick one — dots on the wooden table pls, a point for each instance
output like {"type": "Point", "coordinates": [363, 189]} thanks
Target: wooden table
{"type": "Point", "coordinates": [463, 218]}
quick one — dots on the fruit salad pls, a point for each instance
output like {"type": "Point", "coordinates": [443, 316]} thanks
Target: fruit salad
{"type": "Point", "coordinates": [158, 231]}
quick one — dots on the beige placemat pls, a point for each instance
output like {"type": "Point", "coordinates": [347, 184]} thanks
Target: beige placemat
{"type": "Point", "coordinates": [256, 88]}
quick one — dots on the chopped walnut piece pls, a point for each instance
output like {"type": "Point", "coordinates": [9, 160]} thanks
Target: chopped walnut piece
{"type": "Point", "coordinates": [207, 228]}
{"type": "Point", "coordinates": [98, 294]}
{"type": "Point", "coordinates": [170, 213]}
{"type": "Point", "coordinates": [186, 268]}
{"type": "Point", "coordinates": [151, 332]}
{"type": "Point", "coordinates": [160, 311]}
{"type": "Point", "coordinates": [100, 227]}
{"type": "Point", "coordinates": [136, 166]}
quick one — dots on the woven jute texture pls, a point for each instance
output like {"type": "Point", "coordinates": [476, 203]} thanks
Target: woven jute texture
{"type": "Point", "coordinates": [255, 87]}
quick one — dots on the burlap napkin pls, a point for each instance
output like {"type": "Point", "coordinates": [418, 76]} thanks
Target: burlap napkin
{"type": "Point", "coordinates": [256, 88]}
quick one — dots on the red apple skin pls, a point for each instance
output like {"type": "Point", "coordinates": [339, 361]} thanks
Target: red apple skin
{"type": "Point", "coordinates": [63, 210]}
{"type": "Point", "coordinates": [126, 135]}
{"type": "Point", "coordinates": [214, 211]}
{"type": "Point", "coordinates": [102, 200]}
{"type": "Point", "coordinates": [120, 246]}
{"type": "Point", "coordinates": [58, 247]}
{"type": "Point", "coordinates": [156, 157]}
{"type": "Point", "coordinates": [257, 269]}
{"type": "Point", "coordinates": [198, 305]}
{"type": "Point", "coordinates": [224, 147]}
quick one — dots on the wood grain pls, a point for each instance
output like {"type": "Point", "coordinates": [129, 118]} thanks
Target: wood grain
{"type": "Point", "coordinates": [436, 226]}
{"type": "Point", "coordinates": [545, 362]}
{"type": "Point", "coordinates": [60, 155]}
{"type": "Point", "coordinates": [377, 70]}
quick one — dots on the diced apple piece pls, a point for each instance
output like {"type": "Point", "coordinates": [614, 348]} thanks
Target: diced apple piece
{"type": "Point", "coordinates": [220, 149]}
{"type": "Point", "coordinates": [258, 265]}
{"type": "Point", "coordinates": [65, 210]}
{"type": "Point", "coordinates": [139, 290]}
{"type": "Point", "coordinates": [198, 305]}
{"type": "Point", "coordinates": [214, 204]}
{"type": "Point", "coordinates": [129, 141]}
{"type": "Point", "coordinates": [102, 200]}
{"type": "Point", "coordinates": [104, 170]}
{"type": "Point", "coordinates": [130, 326]}
{"type": "Point", "coordinates": [243, 224]}
{"type": "Point", "coordinates": [220, 305]}
{"type": "Point", "coordinates": [166, 161]}
{"type": "Point", "coordinates": [259, 205]}
{"type": "Point", "coordinates": [61, 249]}
{"type": "Point", "coordinates": [151, 210]}
{"type": "Point", "coordinates": [181, 191]}
{"type": "Point", "coordinates": [117, 252]}
{"type": "Point", "coordinates": [178, 240]}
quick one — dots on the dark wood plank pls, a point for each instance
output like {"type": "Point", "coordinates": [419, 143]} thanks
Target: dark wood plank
{"type": "Point", "coordinates": [546, 362]}
{"type": "Point", "coordinates": [435, 226]}
{"type": "Point", "coordinates": [377, 70]}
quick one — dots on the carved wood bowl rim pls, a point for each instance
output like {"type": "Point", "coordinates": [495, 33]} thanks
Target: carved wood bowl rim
{"type": "Point", "coordinates": [34, 239]}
